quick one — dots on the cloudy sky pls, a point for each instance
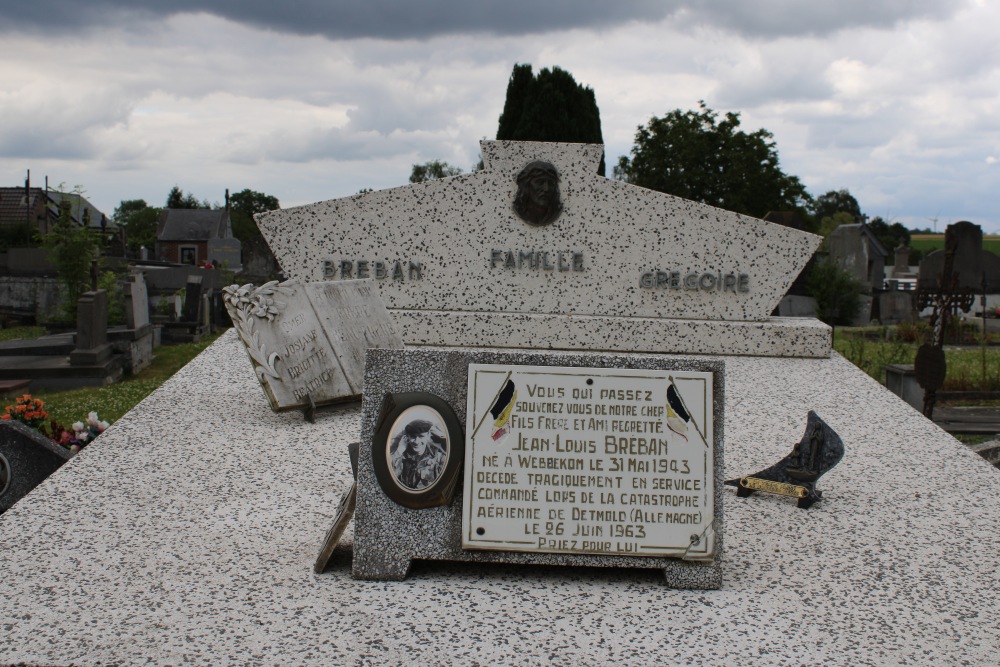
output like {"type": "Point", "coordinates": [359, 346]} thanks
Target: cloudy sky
{"type": "Point", "coordinates": [896, 100]}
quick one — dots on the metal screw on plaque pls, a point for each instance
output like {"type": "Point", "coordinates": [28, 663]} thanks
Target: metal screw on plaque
{"type": "Point", "coordinates": [695, 539]}
{"type": "Point", "coordinates": [480, 531]}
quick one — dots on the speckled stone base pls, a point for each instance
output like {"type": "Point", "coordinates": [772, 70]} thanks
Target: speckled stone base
{"type": "Point", "coordinates": [777, 337]}
{"type": "Point", "coordinates": [388, 536]}
{"type": "Point", "coordinates": [186, 535]}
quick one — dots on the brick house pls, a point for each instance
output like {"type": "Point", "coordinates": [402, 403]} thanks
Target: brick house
{"type": "Point", "coordinates": [197, 236]}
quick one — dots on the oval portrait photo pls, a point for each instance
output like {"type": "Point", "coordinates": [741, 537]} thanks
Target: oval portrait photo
{"type": "Point", "coordinates": [418, 448]}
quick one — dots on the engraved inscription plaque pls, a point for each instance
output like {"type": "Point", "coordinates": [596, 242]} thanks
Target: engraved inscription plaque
{"type": "Point", "coordinates": [590, 461]}
{"type": "Point", "coordinates": [307, 341]}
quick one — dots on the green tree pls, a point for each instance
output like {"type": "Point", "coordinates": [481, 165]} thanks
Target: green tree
{"type": "Point", "coordinates": [18, 235]}
{"type": "Point", "coordinates": [139, 220]}
{"type": "Point", "coordinates": [837, 294]}
{"type": "Point", "coordinates": [831, 222]}
{"type": "Point", "coordinates": [242, 207]}
{"type": "Point", "coordinates": [551, 106]}
{"type": "Point", "coordinates": [72, 248]}
{"type": "Point", "coordinates": [890, 236]}
{"type": "Point", "coordinates": [695, 155]}
{"type": "Point", "coordinates": [432, 171]}
{"type": "Point", "coordinates": [177, 199]}
{"type": "Point", "coordinates": [836, 201]}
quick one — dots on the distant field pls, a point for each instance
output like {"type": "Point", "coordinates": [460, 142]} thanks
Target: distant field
{"type": "Point", "coordinates": [929, 242]}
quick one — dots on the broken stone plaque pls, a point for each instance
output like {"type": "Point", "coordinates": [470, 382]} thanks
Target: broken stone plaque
{"type": "Point", "coordinates": [307, 341]}
{"type": "Point", "coordinates": [608, 461]}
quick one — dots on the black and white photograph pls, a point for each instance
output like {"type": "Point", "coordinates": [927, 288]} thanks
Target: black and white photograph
{"type": "Point", "coordinates": [418, 448]}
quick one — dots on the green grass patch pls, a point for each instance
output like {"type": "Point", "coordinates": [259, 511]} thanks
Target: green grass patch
{"type": "Point", "coordinates": [929, 242]}
{"type": "Point", "coordinates": [27, 333]}
{"type": "Point", "coordinates": [113, 401]}
{"type": "Point", "coordinates": [964, 366]}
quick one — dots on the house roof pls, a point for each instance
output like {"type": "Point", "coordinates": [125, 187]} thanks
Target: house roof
{"type": "Point", "coordinates": [193, 224]}
{"type": "Point", "coordinates": [81, 210]}
{"type": "Point", "coordinates": [12, 204]}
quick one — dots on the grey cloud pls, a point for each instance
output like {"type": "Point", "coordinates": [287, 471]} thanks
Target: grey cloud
{"type": "Point", "coordinates": [776, 18]}
{"type": "Point", "coordinates": [346, 19]}
{"type": "Point", "coordinates": [393, 20]}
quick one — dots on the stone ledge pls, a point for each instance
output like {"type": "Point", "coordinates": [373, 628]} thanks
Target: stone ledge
{"type": "Point", "coordinates": [776, 337]}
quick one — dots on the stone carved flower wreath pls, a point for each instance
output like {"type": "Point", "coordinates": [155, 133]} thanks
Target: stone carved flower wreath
{"type": "Point", "coordinates": [246, 304]}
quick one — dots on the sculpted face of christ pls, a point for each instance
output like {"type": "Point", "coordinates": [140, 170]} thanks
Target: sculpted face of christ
{"type": "Point", "coordinates": [537, 200]}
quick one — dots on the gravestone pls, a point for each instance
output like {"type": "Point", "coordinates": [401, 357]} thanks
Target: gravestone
{"type": "Point", "coordinates": [971, 264]}
{"type": "Point", "coordinates": [192, 299]}
{"type": "Point", "coordinates": [901, 263]}
{"type": "Point", "coordinates": [26, 458]}
{"type": "Point", "coordinates": [620, 268]}
{"type": "Point", "coordinates": [539, 252]}
{"type": "Point", "coordinates": [307, 341]}
{"type": "Point", "coordinates": [138, 340]}
{"type": "Point", "coordinates": [92, 347]}
{"type": "Point", "coordinates": [136, 303]}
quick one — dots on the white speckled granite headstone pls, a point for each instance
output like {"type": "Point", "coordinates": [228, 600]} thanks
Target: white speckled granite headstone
{"type": "Point", "coordinates": [605, 268]}
{"type": "Point", "coordinates": [307, 341]}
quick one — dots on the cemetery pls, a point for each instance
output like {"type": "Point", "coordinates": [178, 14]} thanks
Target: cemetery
{"type": "Point", "coordinates": [523, 415]}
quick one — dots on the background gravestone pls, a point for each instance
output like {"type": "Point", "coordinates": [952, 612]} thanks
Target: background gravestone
{"type": "Point", "coordinates": [971, 262]}
{"type": "Point", "coordinates": [92, 347]}
{"type": "Point", "coordinates": [192, 299]}
{"type": "Point", "coordinates": [136, 302]}
{"type": "Point", "coordinates": [26, 458]}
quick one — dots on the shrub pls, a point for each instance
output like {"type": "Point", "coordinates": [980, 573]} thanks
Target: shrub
{"type": "Point", "coordinates": [837, 294]}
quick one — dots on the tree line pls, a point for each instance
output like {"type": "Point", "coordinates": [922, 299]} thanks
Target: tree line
{"type": "Point", "coordinates": [697, 154]}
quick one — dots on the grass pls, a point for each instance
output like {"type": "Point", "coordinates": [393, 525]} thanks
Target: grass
{"type": "Point", "coordinates": [27, 333]}
{"type": "Point", "coordinates": [928, 242]}
{"type": "Point", "coordinates": [113, 401]}
{"type": "Point", "coordinates": [964, 365]}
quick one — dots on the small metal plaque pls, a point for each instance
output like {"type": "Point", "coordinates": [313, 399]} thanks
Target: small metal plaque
{"type": "Point", "coordinates": [770, 486]}
{"type": "Point", "coordinates": [589, 461]}
{"type": "Point", "coordinates": [345, 510]}
{"type": "Point", "coordinates": [307, 341]}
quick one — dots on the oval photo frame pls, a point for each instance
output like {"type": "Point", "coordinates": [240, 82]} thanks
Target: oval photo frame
{"type": "Point", "coordinates": [417, 449]}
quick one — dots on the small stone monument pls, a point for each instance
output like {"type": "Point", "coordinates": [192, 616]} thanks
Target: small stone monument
{"type": "Point", "coordinates": [307, 341]}
{"type": "Point", "coordinates": [92, 347]}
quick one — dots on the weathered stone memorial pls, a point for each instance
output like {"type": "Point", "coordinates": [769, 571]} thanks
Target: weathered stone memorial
{"type": "Point", "coordinates": [579, 353]}
{"type": "Point", "coordinates": [307, 341]}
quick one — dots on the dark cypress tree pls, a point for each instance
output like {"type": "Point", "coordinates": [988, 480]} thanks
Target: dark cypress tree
{"type": "Point", "coordinates": [549, 107]}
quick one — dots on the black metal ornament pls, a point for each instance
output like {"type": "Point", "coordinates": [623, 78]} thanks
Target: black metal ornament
{"type": "Point", "coordinates": [819, 450]}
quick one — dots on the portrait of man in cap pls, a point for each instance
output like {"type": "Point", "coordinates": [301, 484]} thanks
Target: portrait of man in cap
{"type": "Point", "coordinates": [417, 454]}
{"type": "Point", "coordinates": [537, 199]}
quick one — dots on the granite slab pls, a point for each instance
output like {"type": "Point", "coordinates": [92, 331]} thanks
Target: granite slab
{"type": "Point", "coordinates": [616, 249]}
{"type": "Point", "coordinates": [776, 337]}
{"type": "Point", "coordinates": [187, 533]}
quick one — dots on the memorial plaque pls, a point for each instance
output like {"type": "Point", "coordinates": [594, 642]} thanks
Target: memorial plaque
{"type": "Point", "coordinates": [605, 461]}
{"type": "Point", "coordinates": [307, 341]}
